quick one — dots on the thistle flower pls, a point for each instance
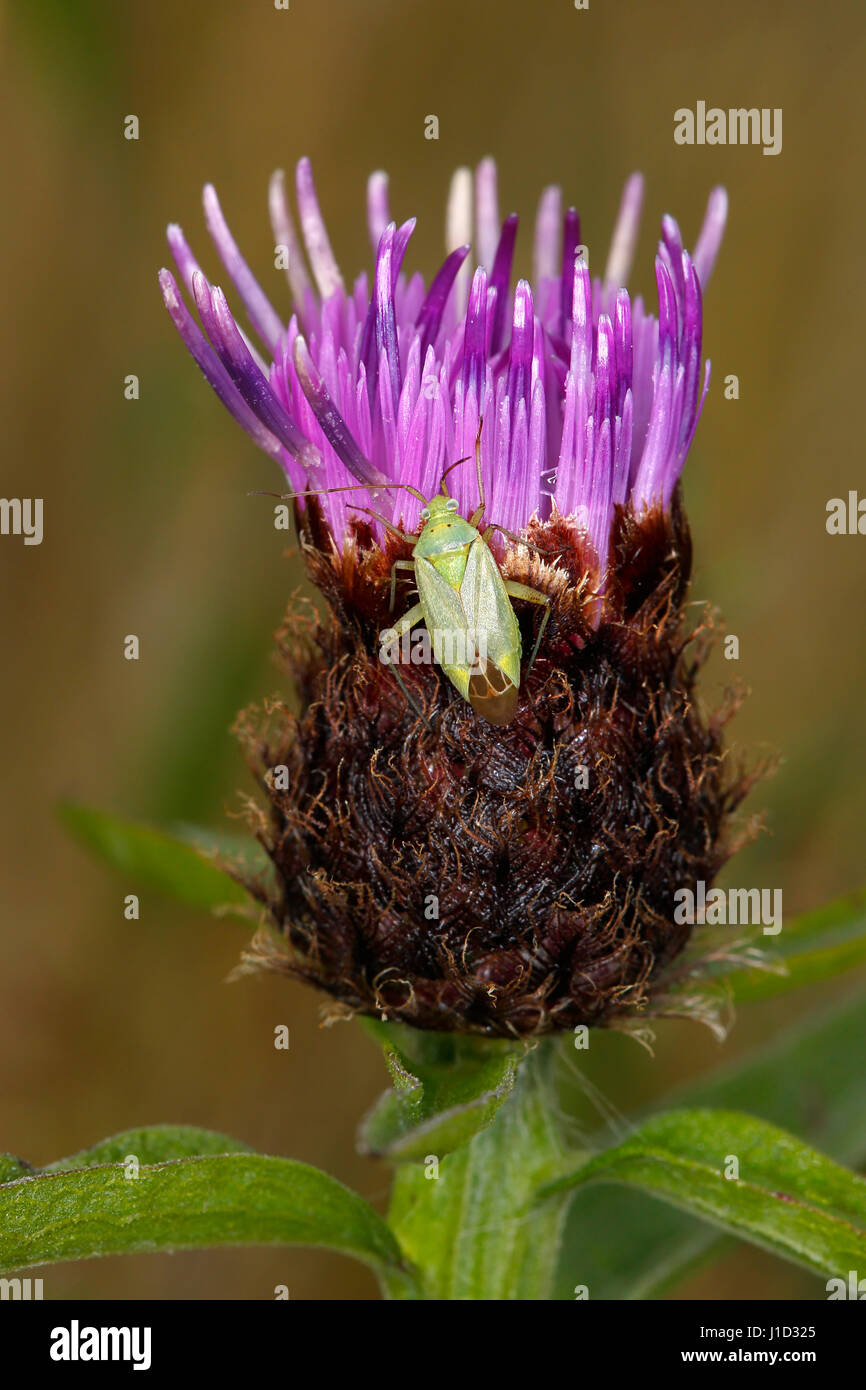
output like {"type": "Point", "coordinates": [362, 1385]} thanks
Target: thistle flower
{"type": "Point", "coordinates": [440, 870]}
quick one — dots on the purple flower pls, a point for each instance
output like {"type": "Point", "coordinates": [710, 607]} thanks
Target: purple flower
{"type": "Point", "coordinates": [550, 843]}
{"type": "Point", "coordinates": [588, 401]}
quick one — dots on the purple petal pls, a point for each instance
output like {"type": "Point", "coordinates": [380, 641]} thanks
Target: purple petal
{"type": "Point", "coordinates": [656, 448]}
{"type": "Point", "coordinates": [475, 340]}
{"type": "Point", "coordinates": [334, 427]}
{"type": "Point", "coordinates": [598, 519]}
{"type": "Point", "coordinates": [371, 343]}
{"type": "Point", "coordinates": [668, 322]}
{"type": "Point", "coordinates": [430, 314]}
{"type": "Point", "coordinates": [189, 267]}
{"type": "Point", "coordinates": [262, 314]}
{"type": "Point", "coordinates": [255, 389]}
{"type": "Point", "coordinates": [581, 331]}
{"type": "Point", "coordinates": [625, 233]}
{"type": "Point", "coordinates": [673, 245]}
{"type": "Point", "coordinates": [378, 212]}
{"type": "Point", "coordinates": [690, 344]}
{"type": "Point", "coordinates": [324, 266]}
{"type": "Point", "coordinates": [183, 257]}
{"type": "Point", "coordinates": [548, 224]}
{"type": "Point", "coordinates": [285, 235]}
{"type": "Point", "coordinates": [522, 342]}
{"type": "Point", "coordinates": [570, 243]}
{"type": "Point", "coordinates": [386, 322]}
{"type": "Point", "coordinates": [623, 348]}
{"type": "Point", "coordinates": [213, 370]}
{"type": "Point", "coordinates": [486, 213]}
{"type": "Point", "coordinates": [605, 372]}
{"type": "Point", "coordinates": [458, 229]}
{"type": "Point", "coordinates": [622, 460]}
{"type": "Point", "coordinates": [711, 234]}
{"type": "Point", "coordinates": [401, 241]}
{"type": "Point", "coordinates": [500, 279]}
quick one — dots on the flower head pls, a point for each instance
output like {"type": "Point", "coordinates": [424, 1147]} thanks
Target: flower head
{"type": "Point", "coordinates": [428, 865]}
{"type": "Point", "coordinates": [589, 402]}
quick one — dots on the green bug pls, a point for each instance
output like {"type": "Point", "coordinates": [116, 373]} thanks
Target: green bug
{"type": "Point", "coordinates": [461, 592]}
{"type": "Point", "coordinates": [463, 595]}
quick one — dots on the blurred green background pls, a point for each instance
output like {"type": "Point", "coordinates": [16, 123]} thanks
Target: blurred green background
{"type": "Point", "coordinates": [105, 1023]}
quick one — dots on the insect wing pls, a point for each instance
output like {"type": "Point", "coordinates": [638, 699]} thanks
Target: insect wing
{"type": "Point", "coordinates": [489, 613]}
{"type": "Point", "coordinates": [495, 677]}
{"type": "Point", "coordinates": [446, 624]}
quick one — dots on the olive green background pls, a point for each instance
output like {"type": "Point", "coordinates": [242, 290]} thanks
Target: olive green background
{"type": "Point", "coordinates": [105, 1023]}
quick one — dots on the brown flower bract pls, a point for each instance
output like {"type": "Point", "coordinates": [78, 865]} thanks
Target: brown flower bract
{"type": "Point", "coordinates": [455, 875]}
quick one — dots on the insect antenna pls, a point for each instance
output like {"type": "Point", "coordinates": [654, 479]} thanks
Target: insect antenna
{"type": "Point", "coordinates": [352, 487]}
{"type": "Point", "coordinates": [451, 466]}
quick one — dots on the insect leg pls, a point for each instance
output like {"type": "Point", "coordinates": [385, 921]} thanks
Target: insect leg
{"type": "Point", "coordinates": [515, 590]}
{"type": "Point", "coordinates": [420, 713]}
{"type": "Point", "coordinates": [413, 615]}
{"type": "Point", "coordinates": [520, 540]}
{"type": "Point", "coordinates": [399, 565]}
{"type": "Point", "coordinates": [479, 511]}
{"type": "Point", "coordinates": [408, 620]}
{"type": "Point", "coordinates": [404, 535]}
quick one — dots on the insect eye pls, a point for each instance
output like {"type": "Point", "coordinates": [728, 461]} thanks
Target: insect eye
{"type": "Point", "coordinates": [451, 504]}
{"type": "Point", "coordinates": [425, 513]}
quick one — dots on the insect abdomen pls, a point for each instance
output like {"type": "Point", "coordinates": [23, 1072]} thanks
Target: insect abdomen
{"type": "Point", "coordinates": [492, 695]}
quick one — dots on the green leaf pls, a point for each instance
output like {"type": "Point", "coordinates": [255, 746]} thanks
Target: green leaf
{"type": "Point", "coordinates": [192, 1203]}
{"type": "Point", "coordinates": [12, 1167]}
{"type": "Point", "coordinates": [809, 1080]}
{"type": "Point", "coordinates": [815, 946]}
{"type": "Point", "coordinates": [237, 846]}
{"type": "Point", "coordinates": [467, 1224]}
{"type": "Point", "coordinates": [155, 1144]}
{"type": "Point", "coordinates": [445, 1091]}
{"type": "Point", "coordinates": [157, 860]}
{"type": "Point", "coordinates": [788, 1198]}
{"type": "Point", "coordinates": [621, 1244]}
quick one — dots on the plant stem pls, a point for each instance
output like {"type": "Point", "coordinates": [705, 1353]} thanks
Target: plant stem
{"type": "Point", "coordinates": [465, 1220]}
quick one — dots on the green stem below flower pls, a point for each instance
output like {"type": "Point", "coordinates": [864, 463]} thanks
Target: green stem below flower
{"type": "Point", "coordinates": [470, 1231]}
